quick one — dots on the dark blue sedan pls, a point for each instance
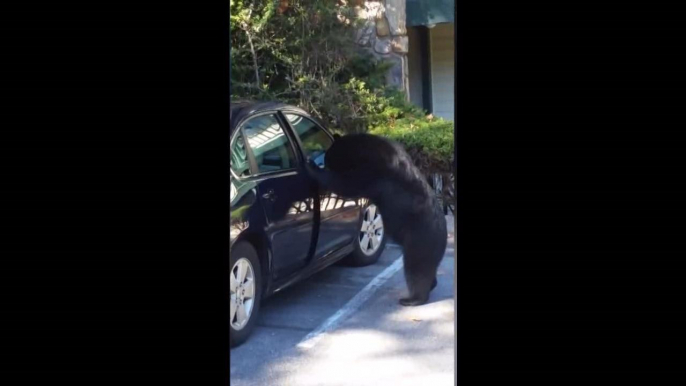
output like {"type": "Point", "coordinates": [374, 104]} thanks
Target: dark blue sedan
{"type": "Point", "coordinates": [283, 226]}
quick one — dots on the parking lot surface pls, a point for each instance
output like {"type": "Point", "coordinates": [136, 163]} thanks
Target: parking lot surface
{"type": "Point", "coordinates": [344, 327]}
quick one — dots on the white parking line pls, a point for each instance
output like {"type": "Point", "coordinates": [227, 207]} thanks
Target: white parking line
{"type": "Point", "coordinates": [353, 305]}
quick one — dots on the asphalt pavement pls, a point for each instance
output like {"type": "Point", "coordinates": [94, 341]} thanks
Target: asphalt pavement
{"type": "Point", "coordinates": [344, 327]}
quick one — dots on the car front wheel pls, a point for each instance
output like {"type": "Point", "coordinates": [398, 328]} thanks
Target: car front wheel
{"type": "Point", "coordinates": [246, 292]}
{"type": "Point", "coordinates": [371, 238]}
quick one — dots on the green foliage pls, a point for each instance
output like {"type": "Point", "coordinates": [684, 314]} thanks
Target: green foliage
{"type": "Point", "coordinates": [303, 52]}
{"type": "Point", "coordinates": [430, 141]}
{"type": "Point", "coordinates": [286, 54]}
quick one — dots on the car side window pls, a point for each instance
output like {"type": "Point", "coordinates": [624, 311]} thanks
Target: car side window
{"type": "Point", "coordinates": [269, 144]}
{"type": "Point", "coordinates": [315, 141]}
{"type": "Point", "coordinates": [239, 157]}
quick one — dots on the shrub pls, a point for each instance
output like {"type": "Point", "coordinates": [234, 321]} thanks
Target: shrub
{"type": "Point", "coordinates": [303, 52]}
{"type": "Point", "coordinates": [429, 140]}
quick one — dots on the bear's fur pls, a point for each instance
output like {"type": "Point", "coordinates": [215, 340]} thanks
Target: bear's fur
{"type": "Point", "coordinates": [363, 165]}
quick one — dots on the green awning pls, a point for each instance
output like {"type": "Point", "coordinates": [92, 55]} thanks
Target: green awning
{"type": "Point", "coordinates": [427, 12]}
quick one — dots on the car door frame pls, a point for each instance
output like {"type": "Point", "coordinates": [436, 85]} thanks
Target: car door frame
{"type": "Point", "coordinates": [286, 110]}
{"type": "Point", "coordinates": [256, 176]}
{"type": "Point", "coordinates": [305, 115]}
{"type": "Point", "coordinates": [301, 156]}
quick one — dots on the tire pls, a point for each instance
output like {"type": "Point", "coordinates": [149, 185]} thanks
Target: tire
{"type": "Point", "coordinates": [449, 186]}
{"type": "Point", "coordinates": [437, 184]}
{"type": "Point", "coordinates": [373, 237]}
{"type": "Point", "coordinates": [439, 189]}
{"type": "Point", "coordinates": [244, 256]}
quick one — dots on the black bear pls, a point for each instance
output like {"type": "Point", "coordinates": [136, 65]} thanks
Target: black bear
{"type": "Point", "coordinates": [363, 165]}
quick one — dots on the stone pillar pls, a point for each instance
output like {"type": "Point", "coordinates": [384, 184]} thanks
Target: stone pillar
{"type": "Point", "coordinates": [384, 34]}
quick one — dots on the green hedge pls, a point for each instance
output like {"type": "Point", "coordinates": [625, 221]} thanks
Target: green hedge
{"type": "Point", "coordinates": [429, 140]}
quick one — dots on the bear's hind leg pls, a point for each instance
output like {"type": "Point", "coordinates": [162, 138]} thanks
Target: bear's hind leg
{"type": "Point", "coordinates": [419, 291]}
{"type": "Point", "coordinates": [421, 279]}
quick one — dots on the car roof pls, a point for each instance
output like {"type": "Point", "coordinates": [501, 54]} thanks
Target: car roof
{"type": "Point", "coordinates": [244, 108]}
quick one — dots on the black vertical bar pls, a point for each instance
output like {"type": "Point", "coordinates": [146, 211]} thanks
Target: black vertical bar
{"type": "Point", "coordinates": [425, 53]}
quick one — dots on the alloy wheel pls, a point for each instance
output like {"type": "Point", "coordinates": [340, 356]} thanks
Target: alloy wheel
{"type": "Point", "coordinates": [242, 293]}
{"type": "Point", "coordinates": [372, 232]}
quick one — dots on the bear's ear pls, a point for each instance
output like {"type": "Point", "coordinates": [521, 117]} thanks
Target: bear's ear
{"type": "Point", "coordinates": [336, 137]}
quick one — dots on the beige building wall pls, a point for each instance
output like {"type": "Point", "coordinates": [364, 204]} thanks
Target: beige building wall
{"type": "Point", "coordinates": [443, 70]}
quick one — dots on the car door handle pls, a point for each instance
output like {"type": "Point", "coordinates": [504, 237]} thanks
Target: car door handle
{"type": "Point", "coordinates": [269, 195]}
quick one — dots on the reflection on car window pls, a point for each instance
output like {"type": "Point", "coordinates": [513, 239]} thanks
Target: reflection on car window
{"type": "Point", "coordinates": [239, 158]}
{"type": "Point", "coordinates": [314, 140]}
{"type": "Point", "coordinates": [269, 144]}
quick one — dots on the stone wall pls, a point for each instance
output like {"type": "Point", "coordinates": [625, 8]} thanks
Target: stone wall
{"type": "Point", "coordinates": [384, 34]}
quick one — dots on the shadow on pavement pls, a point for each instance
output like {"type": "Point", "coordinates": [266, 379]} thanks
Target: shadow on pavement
{"type": "Point", "coordinates": [383, 343]}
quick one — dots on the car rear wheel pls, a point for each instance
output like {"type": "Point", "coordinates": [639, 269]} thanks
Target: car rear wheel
{"type": "Point", "coordinates": [371, 239]}
{"type": "Point", "coordinates": [246, 292]}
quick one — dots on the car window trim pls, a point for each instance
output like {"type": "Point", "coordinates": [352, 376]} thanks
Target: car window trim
{"type": "Point", "coordinates": [248, 151]}
{"type": "Point", "coordinates": [295, 133]}
{"type": "Point", "coordinates": [255, 174]}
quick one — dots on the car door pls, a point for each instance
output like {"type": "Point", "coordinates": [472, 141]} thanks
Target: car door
{"type": "Point", "coordinates": [245, 208]}
{"type": "Point", "coordinates": [339, 217]}
{"type": "Point", "coordinates": [287, 195]}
